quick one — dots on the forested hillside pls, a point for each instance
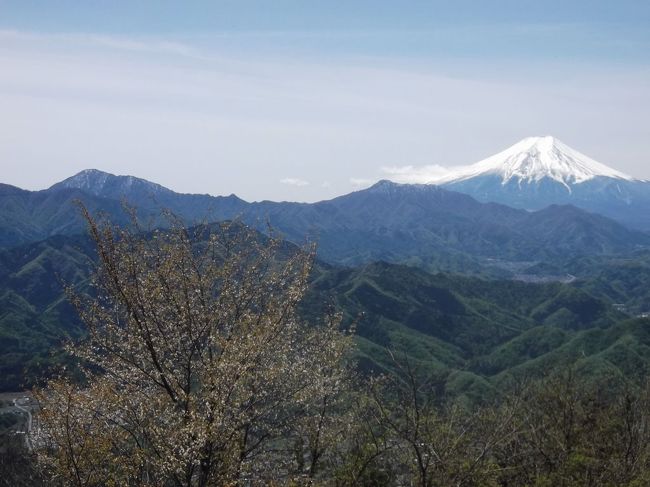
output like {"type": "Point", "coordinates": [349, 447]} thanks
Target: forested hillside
{"type": "Point", "coordinates": [481, 330]}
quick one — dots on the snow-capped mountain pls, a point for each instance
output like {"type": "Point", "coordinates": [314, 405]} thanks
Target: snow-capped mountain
{"type": "Point", "coordinates": [535, 158]}
{"type": "Point", "coordinates": [540, 171]}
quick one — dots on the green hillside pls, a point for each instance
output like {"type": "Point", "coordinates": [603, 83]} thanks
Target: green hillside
{"type": "Point", "coordinates": [475, 332]}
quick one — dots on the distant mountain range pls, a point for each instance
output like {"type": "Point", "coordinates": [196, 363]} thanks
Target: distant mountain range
{"type": "Point", "coordinates": [478, 331]}
{"type": "Point", "coordinates": [540, 171]}
{"type": "Point", "coordinates": [423, 225]}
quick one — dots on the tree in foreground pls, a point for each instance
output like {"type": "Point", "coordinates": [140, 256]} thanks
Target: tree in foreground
{"type": "Point", "coordinates": [573, 432]}
{"type": "Point", "coordinates": [434, 440]}
{"type": "Point", "coordinates": [197, 369]}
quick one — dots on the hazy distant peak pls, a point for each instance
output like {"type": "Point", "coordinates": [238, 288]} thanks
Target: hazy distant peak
{"type": "Point", "coordinates": [535, 158]}
{"type": "Point", "coordinates": [99, 182]}
{"type": "Point", "coordinates": [86, 179]}
{"type": "Point", "coordinates": [383, 184]}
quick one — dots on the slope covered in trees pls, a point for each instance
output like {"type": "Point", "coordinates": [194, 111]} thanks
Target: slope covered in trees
{"type": "Point", "coordinates": [480, 330]}
{"type": "Point", "coordinates": [200, 368]}
{"type": "Point", "coordinates": [452, 371]}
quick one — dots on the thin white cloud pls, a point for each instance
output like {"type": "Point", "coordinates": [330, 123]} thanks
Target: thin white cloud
{"type": "Point", "coordinates": [132, 44]}
{"type": "Point", "coordinates": [361, 182]}
{"type": "Point", "coordinates": [416, 174]}
{"type": "Point", "coordinates": [145, 45]}
{"type": "Point", "coordinates": [294, 182]}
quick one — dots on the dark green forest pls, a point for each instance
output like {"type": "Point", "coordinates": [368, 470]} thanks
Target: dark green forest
{"type": "Point", "coordinates": [485, 331]}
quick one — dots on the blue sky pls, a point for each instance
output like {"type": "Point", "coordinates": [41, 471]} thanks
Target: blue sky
{"type": "Point", "coordinates": [580, 29]}
{"type": "Point", "coordinates": [307, 100]}
{"type": "Point", "coordinates": [173, 17]}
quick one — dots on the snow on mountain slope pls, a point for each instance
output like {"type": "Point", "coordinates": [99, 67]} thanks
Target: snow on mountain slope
{"type": "Point", "coordinates": [541, 171]}
{"type": "Point", "coordinates": [101, 183]}
{"type": "Point", "coordinates": [536, 158]}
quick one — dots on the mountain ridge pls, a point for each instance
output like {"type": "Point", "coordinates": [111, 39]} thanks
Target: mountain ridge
{"type": "Point", "coordinates": [422, 224]}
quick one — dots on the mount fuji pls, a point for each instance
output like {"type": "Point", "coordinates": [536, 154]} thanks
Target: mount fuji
{"type": "Point", "coordinates": [540, 171]}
